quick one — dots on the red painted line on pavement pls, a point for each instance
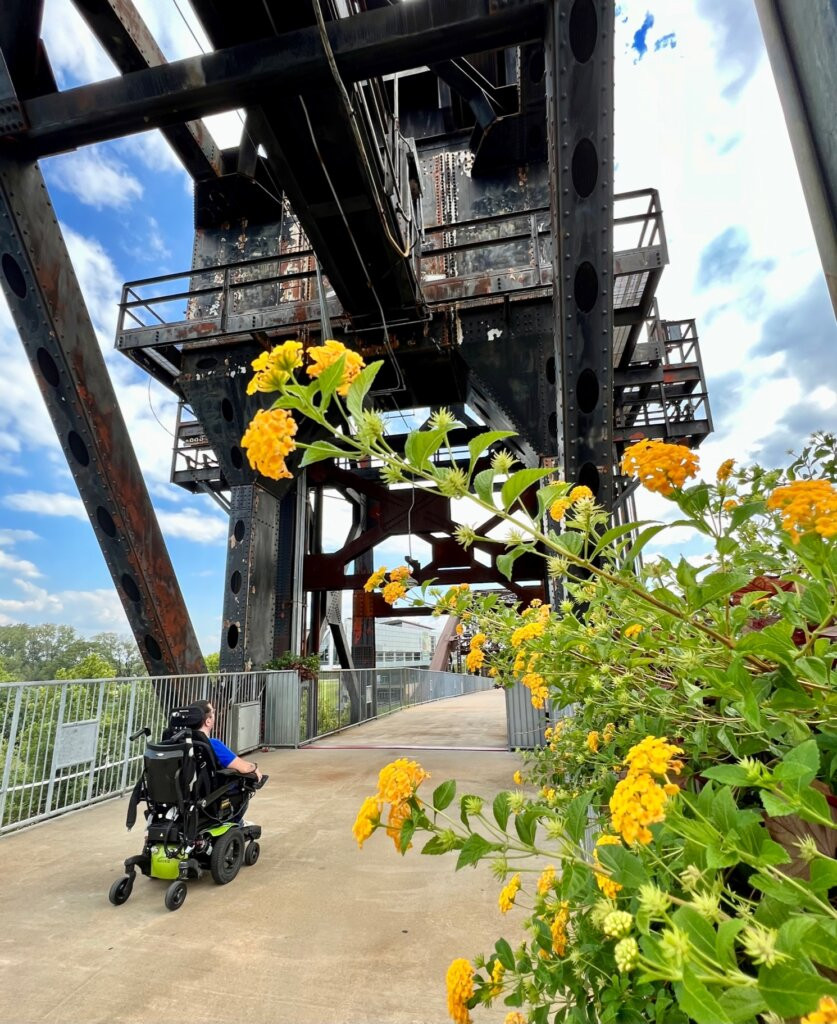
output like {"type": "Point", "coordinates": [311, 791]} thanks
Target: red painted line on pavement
{"type": "Point", "coordinates": [395, 746]}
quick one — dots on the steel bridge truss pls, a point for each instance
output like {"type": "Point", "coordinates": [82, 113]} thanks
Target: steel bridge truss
{"type": "Point", "coordinates": [432, 183]}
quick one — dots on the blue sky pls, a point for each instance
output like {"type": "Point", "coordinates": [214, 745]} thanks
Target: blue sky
{"type": "Point", "coordinates": [697, 116]}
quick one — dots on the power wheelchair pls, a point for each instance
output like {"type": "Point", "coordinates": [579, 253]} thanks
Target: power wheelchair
{"type": "Point", "coordinates": [195, 812]}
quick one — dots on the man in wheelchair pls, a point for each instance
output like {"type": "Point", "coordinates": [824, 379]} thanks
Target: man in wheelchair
{"type": "Point", "coordinates": [196, 791]}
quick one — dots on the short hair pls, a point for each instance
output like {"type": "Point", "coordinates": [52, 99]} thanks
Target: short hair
{"type": "Point", "coordinates": [205, 708]}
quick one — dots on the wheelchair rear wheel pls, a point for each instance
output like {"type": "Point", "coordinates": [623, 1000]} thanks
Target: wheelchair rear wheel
{"type": "Point", "coordinates": [227, 855]}
{"type": "Point", "coordinates": [175, 895]}
{"type": "Point", "coordinates": [121, 890]}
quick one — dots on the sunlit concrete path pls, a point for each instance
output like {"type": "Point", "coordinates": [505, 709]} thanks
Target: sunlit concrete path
{"type": "Point", "coordinates": [317, 931]}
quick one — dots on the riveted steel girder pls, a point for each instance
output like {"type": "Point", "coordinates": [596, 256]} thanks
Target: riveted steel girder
{"type": "Point", "coordinates": [579, 87]}
{"type": "Point", "coordinates": [48, 308]}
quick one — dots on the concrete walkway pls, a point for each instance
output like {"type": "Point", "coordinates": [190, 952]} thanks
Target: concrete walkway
{"type": "Point", "coordinates": [317, 931]}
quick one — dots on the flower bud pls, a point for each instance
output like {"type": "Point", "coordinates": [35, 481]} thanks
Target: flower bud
{"type": "Point", "coordinates": [617, 924]}
{"type": "Point", "coordinates": [654, 901]}
{"type": "Point", "coordinates": [626, 954]}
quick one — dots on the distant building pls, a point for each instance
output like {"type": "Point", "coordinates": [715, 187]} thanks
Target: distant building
{"type": "Point", "coordinates": [398, 643]}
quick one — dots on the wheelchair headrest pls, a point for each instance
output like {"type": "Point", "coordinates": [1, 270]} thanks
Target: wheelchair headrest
{"type": "Point", "coordinates": [190, 717]}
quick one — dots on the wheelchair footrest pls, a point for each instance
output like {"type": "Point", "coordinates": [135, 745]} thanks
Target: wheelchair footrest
{"type": "Point", "coordinates": [141, 861]}
{"type": "Point", "coordinates": [251, 832]}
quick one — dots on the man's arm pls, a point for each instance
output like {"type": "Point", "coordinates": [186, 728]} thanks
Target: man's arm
{"type": "Point", "coordinates": [244, 767]}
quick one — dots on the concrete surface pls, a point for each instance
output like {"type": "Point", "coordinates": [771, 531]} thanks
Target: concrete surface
{"type": "Point", "coordinates": [316, 931]}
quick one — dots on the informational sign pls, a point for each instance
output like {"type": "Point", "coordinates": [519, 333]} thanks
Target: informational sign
{"type": "Point", "coordinates": [76, 743]}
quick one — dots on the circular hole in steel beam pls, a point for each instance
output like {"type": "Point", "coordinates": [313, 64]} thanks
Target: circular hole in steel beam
{"type": "Point", "coordinates": [78, 448]}
{"type": "Point", "coordinates": [589, 477]}
{"type": "Point", "coordinates": [235, 582]}
{"type": "Point", "coordinates": [236, 457]}
{"type": "Point", "coordinates": [238, 530]}
{"type": "Point", "coordinates": [537, 66]}
{"type": "Point", "coordinates": [585, 168]}
{"type": "Point", "coordinates": [232, 636]}
{"type": "Point", "coordinates": [46, 364]}
{"type": "Point", "coordinates": [550, 370]}
{"type": "Point", "coordinates": [207, 362]}
{"type": "Point", "coordinates": [14, 275]}
{"type": "Point", "coordinates": [130, 587]}
{"type": "Point", "coordinates": [105, 521]}
{"type": "Point", "coordinates": [227, 410]}
{"type": "Point", "coordinates": [586, 287]}
{"type": "Point", "coordinates": [153, 648]}
{"type": "Point", "coordinates": [587, 390]}
{"type": "Point", "coordinates": [584, 30]}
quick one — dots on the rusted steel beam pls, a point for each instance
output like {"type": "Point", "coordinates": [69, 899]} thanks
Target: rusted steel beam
{"type": "Point", "coordinates": [127, 40]}
{"type": "Point", "coordinates": [48, 308]}
{"type": "Point", "coordinates": [578, 54]}
{"type": "Point", "coordinates": [364, 46]}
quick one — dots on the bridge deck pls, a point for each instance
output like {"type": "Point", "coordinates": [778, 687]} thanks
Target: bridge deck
{"type": "Point", "coordinates": [316, 931]}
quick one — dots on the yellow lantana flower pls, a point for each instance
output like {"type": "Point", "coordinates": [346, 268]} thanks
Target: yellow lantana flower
{"type": "Point", "coordinates": [508, 893]}
{"type": "Point", "coordinates": [546, 880]}
{"type": "Point", "coordinates": [725, 470]}
{"type": "Point", "coordinates": [580, 493]}
{"type": "Point", "coordinates": [825, 1013]}
{"type": "Point", "coordinates": [807, 506]}
{"type": "Point", "coordinates": [558, 508]}
{"type": "Point", "coordinates": [605, 882]}
{"type": "Point", "coordinates": [593, 741]}
{"type": "Point", "coordinates": [393, 591]}
{"type": "Point", "coordinates": [274, 368]}
{"type": "Point", "coordinates": [269, 440]}
{"type": "Point", "coordinates": [659, 466]}
{"type": "Point", "coordinates": [633, 630]}
{"type": "Point", "coordinates": [460, 985]}
{"type": "Point", "coordinates": [375, 580]}
{"type": "Point", "coordinates": [325, 355]}
{"type": "Point", "coordinates": [368, 817]}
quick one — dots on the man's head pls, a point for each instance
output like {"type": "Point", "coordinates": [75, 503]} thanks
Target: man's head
{"type": "Point", "coordinates": [208, 712]}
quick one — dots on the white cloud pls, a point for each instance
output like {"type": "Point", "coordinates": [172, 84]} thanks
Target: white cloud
{"type": "Point", "coordinates": [95, 178]}
{"type": "Point", "coordinates": [75, 55]}
{"type": "Point", "coordinates": [10, 564]}
{"type": "Point", "coordinates": [92, 611]}
{"type": "Point", "coordinates": [47, 504]}
{"type": "Point", "coordinates": [192, 525]}
{"type": "Point", "coordinates": [10, 537]}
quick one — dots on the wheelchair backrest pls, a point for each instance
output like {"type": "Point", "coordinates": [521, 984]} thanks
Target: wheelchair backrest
{"type": "Point", "coordinates": [170, 771]}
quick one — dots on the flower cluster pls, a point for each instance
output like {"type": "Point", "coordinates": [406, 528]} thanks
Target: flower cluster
{"type": "Point", "coordinates": [658, 466]}
{"type": "Point", "coordinates": [460, 985]}
{"type": "Point", "coordinates": [275, 368]}
{"type": "Point", "coordinates": [269, 440]}
{"type": "Point", "coordinates": [605, 882]}
{"type": "Point", "coordinates": [476, 655]}
{"type": "Point", "coordinates": [397, 785]}
{"type": "Point", "coordinates": [394, 589]}
{"type": "Point", "coordinates": [506, 899]}
{"type": "Point", "coordinates": [807, 506]}
{"type": "Point", "coordinates": [558, 928]}
{"type": "Point", "coordinates": [327, 354]}
{"type": "Point", "coordinates": [639, 800]}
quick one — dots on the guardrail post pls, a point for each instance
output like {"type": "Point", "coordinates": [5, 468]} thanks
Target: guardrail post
{"type": "Point", "coordinates": [7, 767]}
{"type": "Point", "coordinates": [129, 728]}
{"type": "Point", "coordinates": [62, 703]}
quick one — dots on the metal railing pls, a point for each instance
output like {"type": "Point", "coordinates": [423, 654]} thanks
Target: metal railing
{"type": "Point", "coordinates": [341, 698]}
{"type": "Point", "coordinates": [64, 743]}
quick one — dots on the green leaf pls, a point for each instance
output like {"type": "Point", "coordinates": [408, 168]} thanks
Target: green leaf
{"type": "Point", "coordinates": [626, 868]}
{"type": "Point", "coordinates": [647, 535]}
{"type": "Point", "coordinates": [484, 486]}
{"type": "Point", "coordinates": [435, 847]}
{"type": "Point", "coordinates": [360, 386]}
{"type": "Point", "coordinates": [443, 795]}
{"type": "Point", "coordinates": [474, 849]}
{"type": "Point", "coordinates": [501, 809]}
{"type": "Point", "coordinates": [718, 585]}
{"type": "Point", "coordinates": [507, 560]}
{"type": "Point", "coordinates": [525, 825]}
{"type": "Point", "coordinates": [742, 1004]}
{"type": "Point", "coordinates": [329, 379]}
{"type": "Point", "coordinates": [809, 936]}
{"type": "Point", "coordinates": [695, 999]}
{"type": "Point", "coordinates": [823, 874]}
{"type": "Point", "coordinates": [406, 837]}
{"type": "Point", "coordinates": [815, 604]}
{"type": "Point", "coordinates": [805, 757]}
{"type": "Point", "coordinates": [728, 774]}
{"type": "Point", "coordinates": [504, 954]}
{"type": "Point", "coordinates": [421, 445]}
{"type": "Point", "coordinates": [518, 482]}
{"type": "Point", "coordinates": [570, 542]}
{"type": "Point", "coordinates": [700, 931]}
{"type": "Point", "coordinates": [577, 817]}
{"type": "Point", "coordinates": [320, 450]}
{"type": "Point", "coordinates": [725, 941]}
{"type": "Point", "coordinates": [478, 444]}
{"type": "Point", "coordinates": [746, 511]}
{"type": "Point", "coordinates": [790, 991]}
{"type": "Point", "coordinates": [814, 669]}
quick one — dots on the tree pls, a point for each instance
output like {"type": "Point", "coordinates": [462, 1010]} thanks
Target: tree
{"type": "Point", "coordinates": [94, 666]}
{"type": "Point", "coordinates": [213, 662]}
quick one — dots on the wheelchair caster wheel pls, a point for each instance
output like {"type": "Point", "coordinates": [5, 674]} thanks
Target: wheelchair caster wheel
{"type": "Point", "coordinates": [175, 895]}
{"type": "Point", "coordinates": [251, 854]}
{"type": "Point", "coordinates": [121, 890]}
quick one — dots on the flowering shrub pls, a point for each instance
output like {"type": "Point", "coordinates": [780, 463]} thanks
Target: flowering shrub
{"type": "Point", "coordinates": [672, 844]}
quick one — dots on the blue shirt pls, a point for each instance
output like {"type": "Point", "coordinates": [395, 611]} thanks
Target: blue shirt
{"type": "Point", "coordinates": [222, 752]}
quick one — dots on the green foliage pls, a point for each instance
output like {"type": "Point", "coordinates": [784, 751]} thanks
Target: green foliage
{"type": "Point", "coordinates": [41, 652]}
{"type": "Point", "coordinates": [307, 665]}
{"type": "Point", "coordinates": [683, 805]}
